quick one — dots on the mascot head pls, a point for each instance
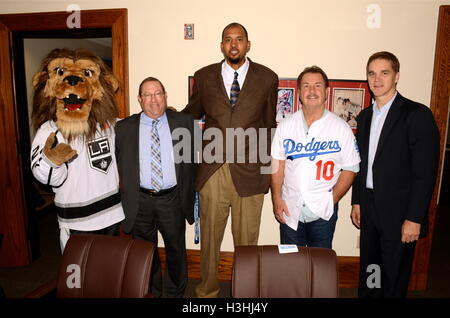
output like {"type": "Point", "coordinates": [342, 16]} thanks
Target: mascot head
{"type": "Point", "coordinates": [75, 89]}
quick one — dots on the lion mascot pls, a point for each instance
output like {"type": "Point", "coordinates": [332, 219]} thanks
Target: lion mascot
{"type": "Point", "coordinates": [74, 112]}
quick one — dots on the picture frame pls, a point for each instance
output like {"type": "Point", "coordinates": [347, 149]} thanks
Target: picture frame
{"type": "Point", "coordinates": [347, 98]}
{"type": "Point", "coordinates": [287, 98]}
{"type": "Point", "coordinates": [190, 85]}
{"type": "Point", "coordinates": [201, 122]}
{"type": "Point", "coordinates": [189, 31]}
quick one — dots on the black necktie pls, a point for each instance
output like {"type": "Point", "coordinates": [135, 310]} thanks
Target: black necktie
{"type": "Point", "coordinates": [235, 89]}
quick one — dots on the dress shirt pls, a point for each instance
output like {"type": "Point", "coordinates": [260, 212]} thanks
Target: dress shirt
{"type": "Point", "coordinates": [228, 75]}
{"type": "Point", "coordinates": [167, 163]}
{"type": "Point", "coordinates": [378, 118]}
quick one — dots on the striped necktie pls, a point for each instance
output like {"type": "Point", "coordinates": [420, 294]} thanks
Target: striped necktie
{"type": "Point", "coordinates": [156, 167]}
{"type": "Point", "coordinates": [235, 89]}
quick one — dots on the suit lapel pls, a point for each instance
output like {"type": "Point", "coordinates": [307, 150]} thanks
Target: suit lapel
{"type": "Point", "coordinates": [134, 140]}
{"type": "Point", "coordinates": [173, 124]}
{"type": "Point", "coordinates": [391, 118]}
{"type": "Point", "coordinates": [220, 83]}
{"type": "Point", "coordinates": [366, 132]}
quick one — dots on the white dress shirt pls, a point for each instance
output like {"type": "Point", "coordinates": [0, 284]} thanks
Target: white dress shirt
{"type": "Point", "coordinates": [167, 162]}
{"type": "Point", "coordinates": [378, 119]}
{"type": "Point", "coordinates": [228, 75]}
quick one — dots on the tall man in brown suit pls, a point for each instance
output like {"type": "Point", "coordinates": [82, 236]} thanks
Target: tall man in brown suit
{"type": "Point", "coordinates": [238, 97]}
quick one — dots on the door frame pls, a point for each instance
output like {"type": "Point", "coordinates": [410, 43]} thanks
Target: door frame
{"type": "Point", "coordinates": [15, 249]}
{"type": "Point", "coordinates": [439, 106]}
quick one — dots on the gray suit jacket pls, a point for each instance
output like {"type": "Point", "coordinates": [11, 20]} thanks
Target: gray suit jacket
{"type": "Point", "coordinates": [127, 154]}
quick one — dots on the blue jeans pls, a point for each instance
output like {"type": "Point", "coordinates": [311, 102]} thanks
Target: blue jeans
{"type": "Point", "coordinates": [318, 233]}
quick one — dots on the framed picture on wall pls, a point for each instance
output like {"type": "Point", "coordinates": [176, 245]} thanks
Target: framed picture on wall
{"type": "Point", "coordinates": [347, 99]}
{"type": "Point", "coordinates": [190, 84]}
{"type": "Point", "coordinates": [287, 100]}
{"type": "Point", "coordinates": [201, 122]}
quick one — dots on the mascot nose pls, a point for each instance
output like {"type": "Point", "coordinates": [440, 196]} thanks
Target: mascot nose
{"type": "Point", "coordinates": [73, 80]}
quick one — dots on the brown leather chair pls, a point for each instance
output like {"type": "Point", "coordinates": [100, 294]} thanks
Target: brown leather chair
{"type": "Point", "coordinates": [108, 267]}
{"type": "Point", "coordinates": [262, 272]}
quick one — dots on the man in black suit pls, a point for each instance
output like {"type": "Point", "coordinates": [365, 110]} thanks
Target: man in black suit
{"type": "Point", "coordinates": [399, 147]}
{"type": "Point", "coordinates": [157, 181]}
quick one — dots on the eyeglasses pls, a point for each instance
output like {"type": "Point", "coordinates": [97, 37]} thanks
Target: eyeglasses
{"type": "Point", "coordinates": [157, 95]}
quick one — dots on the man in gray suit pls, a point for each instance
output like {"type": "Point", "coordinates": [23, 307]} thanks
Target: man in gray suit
{"type": "Point", "coordinates": [236, 96]}
{"type": "Point", "coordinates": [156, 182]}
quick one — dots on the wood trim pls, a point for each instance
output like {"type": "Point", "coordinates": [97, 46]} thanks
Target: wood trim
{"type": "Point", "coordinates": [43, 21]}
{"type": "Point", "coordinates": [348, 267]}
{"type": "Point", "coordinates": [15, 249]}
{"type": "Point", "coordinates": [120, 61]}
{"type": "Point", "coordinates": [439, 107]}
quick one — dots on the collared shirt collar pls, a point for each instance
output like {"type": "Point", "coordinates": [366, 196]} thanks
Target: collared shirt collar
{"type": "Point", "coordinates": [242, 71]}
{"type": "Point", "coordinates": [148, 121]}
{"type": "Point", "coordinates": [385, 108]}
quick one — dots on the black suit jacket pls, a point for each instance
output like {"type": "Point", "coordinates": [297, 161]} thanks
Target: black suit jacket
{"type": "Point", "coordinates": [127, 154]}
{"type": "Point", "coordinates": [404, 167]}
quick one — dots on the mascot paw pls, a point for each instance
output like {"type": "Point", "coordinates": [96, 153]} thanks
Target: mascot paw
{"type": "Point", "coordinates": [58, 154]}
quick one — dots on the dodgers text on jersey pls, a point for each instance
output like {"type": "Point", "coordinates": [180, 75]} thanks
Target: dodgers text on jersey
{"type": "Point", "coordinates": [311, 149]}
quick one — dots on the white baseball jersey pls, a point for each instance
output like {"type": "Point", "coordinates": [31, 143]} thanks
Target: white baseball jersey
{"type": "Point", "coordinates": [87, 196]}
{"type": "Point", "coordinates": [313, 162]}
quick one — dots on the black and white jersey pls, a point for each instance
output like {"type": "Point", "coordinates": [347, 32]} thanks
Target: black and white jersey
{"type": "Point", "coordinates": [87, 196]}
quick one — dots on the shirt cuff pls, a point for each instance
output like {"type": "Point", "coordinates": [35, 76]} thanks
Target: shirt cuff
{"type": "Point", "coordinates": [354, 168]}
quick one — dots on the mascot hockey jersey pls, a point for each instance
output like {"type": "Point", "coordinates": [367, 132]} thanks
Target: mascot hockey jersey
{"type": "Point", "coordinates": [87, 196]}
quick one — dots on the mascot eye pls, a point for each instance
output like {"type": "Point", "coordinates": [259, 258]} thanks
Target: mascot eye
{"type": "Point", "coordinates": [59, 71]}
{"type": "Point", "coordinates": [88, 73]}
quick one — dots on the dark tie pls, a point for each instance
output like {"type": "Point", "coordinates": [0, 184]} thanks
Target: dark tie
{"type": "Point", "coordinates": [235, 89]}
{"type": "Point", "coordinates": [157, 178]}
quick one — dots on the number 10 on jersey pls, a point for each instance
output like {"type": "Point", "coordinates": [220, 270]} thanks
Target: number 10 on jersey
{"type": "Point", "coordinates": [324, 170]}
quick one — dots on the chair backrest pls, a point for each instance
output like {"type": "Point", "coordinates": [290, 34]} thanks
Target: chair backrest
{"type": "Point", "coordinates": [262, 272]}
{"type": "Point", "coordinates": [104, 266]}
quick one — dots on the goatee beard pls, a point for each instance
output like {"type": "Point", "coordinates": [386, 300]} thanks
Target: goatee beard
{"type": "Point", "coordinates": [234, 61]}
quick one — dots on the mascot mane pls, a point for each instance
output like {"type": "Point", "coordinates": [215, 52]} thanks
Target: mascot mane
{"type": "Point", "coordinates": [49, 84]}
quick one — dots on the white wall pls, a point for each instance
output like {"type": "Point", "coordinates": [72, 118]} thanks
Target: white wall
{"type": "Point", "coordinates": [286, 36]}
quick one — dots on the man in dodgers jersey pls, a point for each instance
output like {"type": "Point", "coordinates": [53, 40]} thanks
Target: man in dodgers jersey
{"type": "Point", "coordinates": [315, 160]}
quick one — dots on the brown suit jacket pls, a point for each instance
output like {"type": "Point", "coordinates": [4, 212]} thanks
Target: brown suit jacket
{"type": "Point", "coordinates": [255, 109]}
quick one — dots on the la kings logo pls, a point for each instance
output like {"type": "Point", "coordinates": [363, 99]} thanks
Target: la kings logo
{"type": "Point", "coordinates": [100, 154]}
